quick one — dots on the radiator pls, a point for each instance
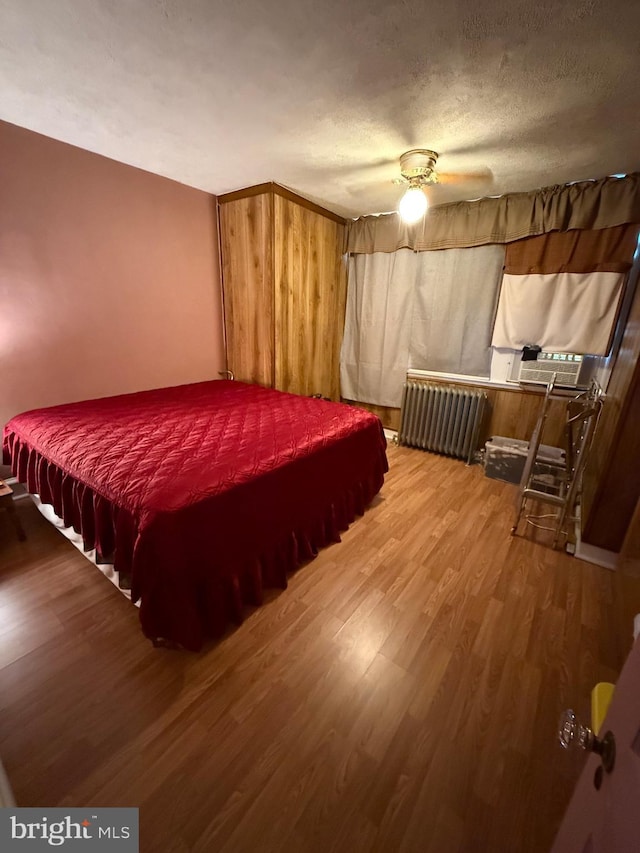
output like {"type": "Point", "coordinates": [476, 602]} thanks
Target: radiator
{"type": "Point", "coordinates": [441, 418]}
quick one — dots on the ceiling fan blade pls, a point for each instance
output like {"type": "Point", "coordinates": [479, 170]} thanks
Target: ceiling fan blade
{"type": "Point", "coordinates": [370, 175]}
{"type": "Point", "coordinates": [371, 169]}
{"type": "Point", "coordinates": [477, 177]}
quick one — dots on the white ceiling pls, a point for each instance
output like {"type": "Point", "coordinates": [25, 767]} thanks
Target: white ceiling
{"type": "Point", "coordinates": [323, 96]}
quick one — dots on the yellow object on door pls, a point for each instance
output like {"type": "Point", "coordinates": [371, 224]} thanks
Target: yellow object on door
{"type": "Point", "coordinates": [601, 696]}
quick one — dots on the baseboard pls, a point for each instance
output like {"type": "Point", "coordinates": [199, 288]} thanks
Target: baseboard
{"type": "Point", "coordinates": [591, 553]}
{"type": "Point", "coordinates": [598, 556]}
{"type": "Point", "coordinates": [390, 434]}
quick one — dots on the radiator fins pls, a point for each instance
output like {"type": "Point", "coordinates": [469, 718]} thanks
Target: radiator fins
{"type": "Point", "coordinates": [441, 418]}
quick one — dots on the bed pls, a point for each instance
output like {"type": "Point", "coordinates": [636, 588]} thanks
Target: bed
{"type": "Point", "coordinates": [201, 495]}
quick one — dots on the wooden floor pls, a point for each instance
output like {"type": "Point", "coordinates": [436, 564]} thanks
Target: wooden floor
{"type": "Point", "coordinates": [401, 695]}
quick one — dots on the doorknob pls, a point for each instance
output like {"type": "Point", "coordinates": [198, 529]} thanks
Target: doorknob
{"type": "Point", "coordinates": [571, 730]}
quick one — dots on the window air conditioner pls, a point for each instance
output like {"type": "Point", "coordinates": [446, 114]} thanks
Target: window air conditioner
{"type": "Point", "coordinates": [572, 370]}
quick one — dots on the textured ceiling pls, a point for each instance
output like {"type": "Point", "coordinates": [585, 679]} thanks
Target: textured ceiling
{"type": "Point", "coordinates": [323, 96]}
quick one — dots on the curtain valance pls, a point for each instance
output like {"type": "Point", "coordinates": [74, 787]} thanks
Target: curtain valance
{"type": "Point", "coordinates": [585, 205]}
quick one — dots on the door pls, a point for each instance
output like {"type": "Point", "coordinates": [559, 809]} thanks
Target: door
{"type": "Point", "coordinates": [604, 812]}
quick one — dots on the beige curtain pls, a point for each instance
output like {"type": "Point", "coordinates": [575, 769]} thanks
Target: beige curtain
{"type": "Point", "coordinates": [585, 205]}
{"type": "Point", "coordinates": [562, 291]}
{"type": "Point", "coordinates": [377, 330]}
{"type": "Point", "coordinates": [454, 308]}
{"type": "Point", "coordinates": [425, 310]}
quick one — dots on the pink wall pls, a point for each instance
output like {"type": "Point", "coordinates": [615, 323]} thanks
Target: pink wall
{"type": "Point", "coordinates": [109, 278]}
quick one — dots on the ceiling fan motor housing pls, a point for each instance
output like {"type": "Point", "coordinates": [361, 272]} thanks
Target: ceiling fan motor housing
{"type": "Point", "coordinates": [419, 165]}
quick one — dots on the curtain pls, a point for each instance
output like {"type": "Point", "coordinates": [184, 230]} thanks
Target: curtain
{"type": "Point", "coordinates": [561, 291]}
{"type": "Point", "coordinates": [426, 310]}
{"type": "Point", "coordinates": [375, 347]}
{"type": "Point", "coordinates": [585, 205]}
{"type": "Point", "coordinates": [454, 310]}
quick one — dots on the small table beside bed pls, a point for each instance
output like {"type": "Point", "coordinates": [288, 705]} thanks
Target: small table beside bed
{"type": "Point", "coordinates": [201, 495]}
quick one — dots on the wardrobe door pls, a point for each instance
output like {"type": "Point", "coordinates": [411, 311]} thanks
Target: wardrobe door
{"type": "Point", "coordinates": [310, 292]}
{"type": "Point", "coordinates": [246, 238]}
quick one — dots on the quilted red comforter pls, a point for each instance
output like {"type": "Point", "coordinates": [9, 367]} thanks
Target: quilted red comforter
{"type": "Point", "coordinates": [201, 494]}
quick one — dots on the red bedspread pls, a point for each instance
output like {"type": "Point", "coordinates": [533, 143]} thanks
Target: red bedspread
{"type": "Point", "coordinates": [201, 494]}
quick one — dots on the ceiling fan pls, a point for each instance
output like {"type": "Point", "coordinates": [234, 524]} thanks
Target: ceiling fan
{"type": "Point", "coordinates": [419, 164]}
{"type": "Point", "coordinates": [418, 170]}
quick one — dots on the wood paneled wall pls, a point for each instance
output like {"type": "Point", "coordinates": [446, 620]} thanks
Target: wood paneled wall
{"type": "Point", "coordinates": [284, 280]}
{"type": "Point", "coordinates": [630, 554]}
{"type": "Point", "coordinates": [512, 413]}
{"type": "Point", "coordinates": [246, 238]}
{"type": "Point", "coordinates": [390, 417]}
{"type": "Point", "coordinates": [611, 481]}
{"type": "Point", "coordinates": [310, 294]}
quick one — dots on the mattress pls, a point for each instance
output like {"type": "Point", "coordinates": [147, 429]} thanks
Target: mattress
{"type": "Point", "coordinates": [202, 495]}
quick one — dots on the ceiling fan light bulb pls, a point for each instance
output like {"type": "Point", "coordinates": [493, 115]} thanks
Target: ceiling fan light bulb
{"type": "Point", "coordinates": [413, 205]}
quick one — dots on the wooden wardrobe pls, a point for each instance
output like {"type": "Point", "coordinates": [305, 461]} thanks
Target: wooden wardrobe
{"type": "Point", "coordinates": [284, 284]}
